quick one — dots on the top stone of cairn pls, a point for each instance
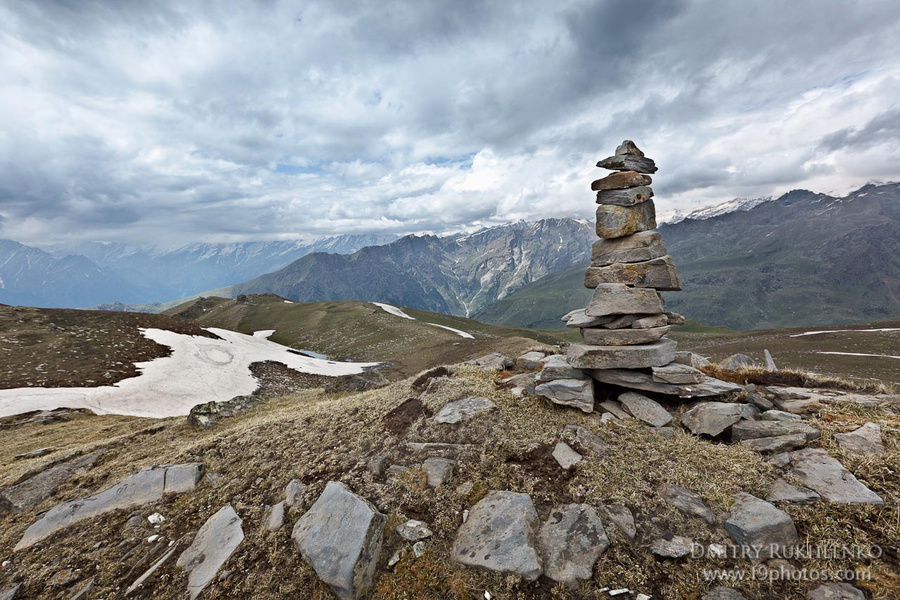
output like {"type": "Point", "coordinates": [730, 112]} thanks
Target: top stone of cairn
{"type": "Point", "coordinates": [628, 157]}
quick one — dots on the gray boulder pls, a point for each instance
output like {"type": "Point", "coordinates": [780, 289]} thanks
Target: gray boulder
{"type": "Point", "coordinates": [815, 469]}
{"type": "Point", "coordinates": [619, 299]}
{"type": "Point", "coordinates": [622, 357]}
{"type": "Point", "coordinates": [782, 491]}
{"type": "Point", "coordinates": [31, 492]}
{"type": "Point", "coordinates": [712, 418]}
{"type": "Point", "coordinates": [143, 487]}
{"type": "Point", "coordinates": [600, 336]}
{"type": "Point", "coordinates": [647, 410]}
{"type": "Point", "coordinates": [865, 440]}
{"type": "Point", "coordinates": [570, 542]}
{"type": "Point", "coordinates": [687, 502]}
{"type": "Point", "coordinates": [340, 537]}
{"type": "Point", "coordinates": [836, 591]}
{"type": "Point", "coordinates": [750, 430]}
{"type": "Point", "coordinates": [530, 361]}
{"type": "Point", "coordinates": [500, 535]}
{"type": "Point", "coordinates": [208, 414]}
{"type": "Point", "coordinates": [414, 531]}
{"type": "Point", "coordinates": [761, 528]}
{"type": "Point", "coordinates": [212, 546]}
{"type": "Point", "coordinates": [645, 245]}
{"type": "Point", "coordinates": [565, 456]}
{"type": "Point", "coordinates": [626, 196]}
{"type": "Point", "coordinates": [658, 273]}
{"type": "Point", "coordinates": [463, 410]}
{"type": "Point", "coordinates": [578, 393]}
{"type": "Point", "coordinates": [438, 470]}
{"type": "Point", "coordinates": [736, 361]}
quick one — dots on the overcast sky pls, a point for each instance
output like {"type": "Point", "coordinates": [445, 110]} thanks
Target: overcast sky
{"type": "Point", "coordinates": [165, 123]}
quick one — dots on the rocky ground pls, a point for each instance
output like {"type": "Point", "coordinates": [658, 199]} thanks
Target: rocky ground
{"type": "Point", "coordinates": [558, 469]}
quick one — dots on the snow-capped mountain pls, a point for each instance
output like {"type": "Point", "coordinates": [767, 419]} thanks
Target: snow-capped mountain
{"type": "Point", "coordinates": [708, 212]}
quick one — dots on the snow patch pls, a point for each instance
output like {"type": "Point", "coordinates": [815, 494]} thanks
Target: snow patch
{"type": "Point", "coordinates": [843, 331]}
{"type": "Point", "coordinates": [456, 331]}
{"type": "Point", "coordinates": [393, 310]}
{"type": "Point", "coordinates": [264, 333]}
{"type": "Point", "coordinates": [199, 370]}
{"type": "Point", "coordinates": [860, 354]}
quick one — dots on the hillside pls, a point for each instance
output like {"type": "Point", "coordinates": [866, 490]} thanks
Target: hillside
{"type": "Point", "coordinates": [455, 275]}
{"type": "Point", "coordinates": [804, 259]}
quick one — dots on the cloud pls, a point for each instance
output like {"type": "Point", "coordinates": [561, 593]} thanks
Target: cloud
{"type": "Point", "coordinates": [172, 122]}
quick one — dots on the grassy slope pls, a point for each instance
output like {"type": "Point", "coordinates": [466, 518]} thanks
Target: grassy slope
{"type": "Point", "coordinates": [361, 331]}
{"type": "Point", "coordinates": [317, 438]}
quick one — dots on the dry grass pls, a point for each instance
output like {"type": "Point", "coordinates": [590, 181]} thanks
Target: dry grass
{"type": "Point", "coordinates": [796, 378]}
{"type": "Point", "coordinates": [318, 437]}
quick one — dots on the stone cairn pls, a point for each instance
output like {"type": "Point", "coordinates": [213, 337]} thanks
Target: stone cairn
{"type": "Point", "coordinates": [624, 326]}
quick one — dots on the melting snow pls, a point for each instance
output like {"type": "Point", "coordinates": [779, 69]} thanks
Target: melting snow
{"type": "Point", "coordinates": [264, 333]}
{"type": "Point", "coordinates": [198, 370]}
{"type": "Point", "coordinates": [843, 331]}
{"type": "Point", "coordinates": [399, 313]}
{"type": "Point", "coordinates": [860, 354]}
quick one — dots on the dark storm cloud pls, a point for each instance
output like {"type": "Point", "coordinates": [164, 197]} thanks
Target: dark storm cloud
{"type": "Point", "coordinates": [172, 121]}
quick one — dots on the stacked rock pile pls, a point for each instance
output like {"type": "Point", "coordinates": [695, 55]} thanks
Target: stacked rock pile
{"type": "Point", "coordinates": [624, 326]}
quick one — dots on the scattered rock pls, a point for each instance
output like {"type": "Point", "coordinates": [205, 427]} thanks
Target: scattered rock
{"type": "Point", "coordinates": [578, 393]}
{"type": "Point", "coordinates": [712, 418]}
{"type": "Point", "coordinates": [557, 367]}
{"type": "Point", "coordinates": [438, 470]}
{"type": "Point", "coordinates": [815, 469]}
{"type": "Point", "coordinates": [340, 537]}
{"type": "Point", "coordinates": [153, 568]}
{"type": "Point", "coordinates": [687, 502]}
{"type": "Point", "coordinates": [275, 521]}
{"type": "Point", "coordinates": [676, 547]}
{"type": "Point", "coordinates": [585, 440]}
{"type": "Point", "coordinates": [643, 408]}
{"type": "Point", "coordinates": [723, 593]}
{"type": "Point", "coordinates": [565, 456]}
{"type": "Point", "coordinates": [494, 361]}
{"type": "Point", "coordinates": [414, 531]}
{"type": "Point", "coordinates": [865, 440]}
{"type": "Point", "coordinates": [377, 466]}
{"type": "Point", "coordinates": [418, 549]}
{"type": "Point", "coordinates": [208, 414]}
{"type": "Point", "coordinates": [212, 546]}
{"type": "Point", "coordinates": [759, 526]}
{"type": "Point", "coordinates": [782, 491]}
{"type": "Point", "coordinates": [294, 492]}
{"type": "Point", "coordinates": [619, 299]}
{"type": "Point", "coordinates": [500, 535]}
{"type": "Point", "coordinates": [736, 361]}
{"type": "Point", "coordinates": [143, 487]}
{"type": "Point", "coordinates": [31, 492]}
{"type": "Point", "coordinates": [776, 444]}
{"type": "Point", "coordinates": [622, 518]}
{"type": "Point", "coordinates": [836, 591]}
{"type": "Point", "coordinates": [62, 578]}
{"type": "Point", "coordinates": [82, 592]}
{"type": "Point", "coordinates": [656, 354]}
{"type": "Point", "coordinates": [35, 453]}
{"type": "Point", "coordinates": [463, 410]}
{"type": "Point", "coordinates": [530, 361]}
{"type": "Point", "coordinates": [750, 430]}
{"type": "Point", "coordinates": [8, 592]}
{"type": "Point", "coordinates": [658, 273]}
{"type": "Point", "coordinates": [570, 542]}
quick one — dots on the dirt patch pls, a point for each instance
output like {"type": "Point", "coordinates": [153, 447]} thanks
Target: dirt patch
{"type": "Point", "coordinates": [78, 348]}
{"type": "Point", "coordinates": [399, 420]}
{"type": "Point", "coordinates": [540, 464]}
{"type": "Point", "coordinates": [275, 379]}
{"type": "Point", "coordinates": [421, 382]}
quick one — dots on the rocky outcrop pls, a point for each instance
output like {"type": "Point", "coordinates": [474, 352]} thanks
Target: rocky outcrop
{"type": "Point", "coordinates": [340, 537]}
{"type": "Point", "coordinates": [815, 469]}
{"type": "Point", "coordinates": [463, 410]}
{"type": "Point", "coordinates": [208, 414]}
{"type": "Point", "coordinates": [31, 492]}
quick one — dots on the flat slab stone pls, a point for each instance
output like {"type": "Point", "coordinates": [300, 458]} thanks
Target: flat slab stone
{"type": "Point", "coordinates": [625, 197]}
{"type": "Point", "coordinates": [656, 354]}
{"type": "Point", "coordinates": [599, 336]}
{"type": "Point", "coordinates": [619, 221]}
{"type": "Point", "coordinates": [558, 367]}
{"type": "Point", "coordinates": [340, 537]}
{"type": "Point", "coordinates": [639, 380]}
{"type": "Point", "coordinates": [687, 502]}
{"type": "Point", "coordinates": [144, 487]}
{"type": "Point", "coordinates": [780, 415]}
{"type": "Point", "coordinates": [213, 545]}
{"type": "Point", "coordinates": [650, 321]}
{"type": "Point", "coordinates": [817, 470]}
{"type": "Point", "coordinates": [676, 547]}
{"type": "Point", "coordinates": [782, 491]}
{"type": "Point", "coordinates": [658, 273]}
{"type": "Point", "coordinates": [619, 299]}
{"type": "Point", "coordinates": [625, 162]}
{"type": "Point", "coordinates": [642, 246]}
{"type": "Point", "coordinates": [577, 319]}
{"type": "Point", "coordinates": [500, 535]}
{"type": "Point", "coordinates": [677, 374]}
{"type": "Point", "coordinates": [836, 591]}
{"type": "Point", "coordinates": [621, 181]}
{"type": "Point", "coordinates": [565, 456]}
{"type": "Point", "coordinates": [865, 440]}
{"type": "Point", "coordinates": [438, 470]}
{"type": "Point", "coordinates": [570, 542]}
{"type": "Point", "coordinates": [643, 408]}
{"type": "Point", "coordinates": [530, 361]}
{"type": "Point", "coordinates": [463, 410]}
{"type": "Point", "coordinates": [778, 443]}
{"type": "Point", "coordinates": [586, 440]}
{"type": "Point", "coordinates": [578, 393]}
{"type": "Point", "coordinates": [31, 492]}
{"type": "Point", "coordinates": [750, 430]}
{"type": "Point", "coordinates": [759, 526]}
